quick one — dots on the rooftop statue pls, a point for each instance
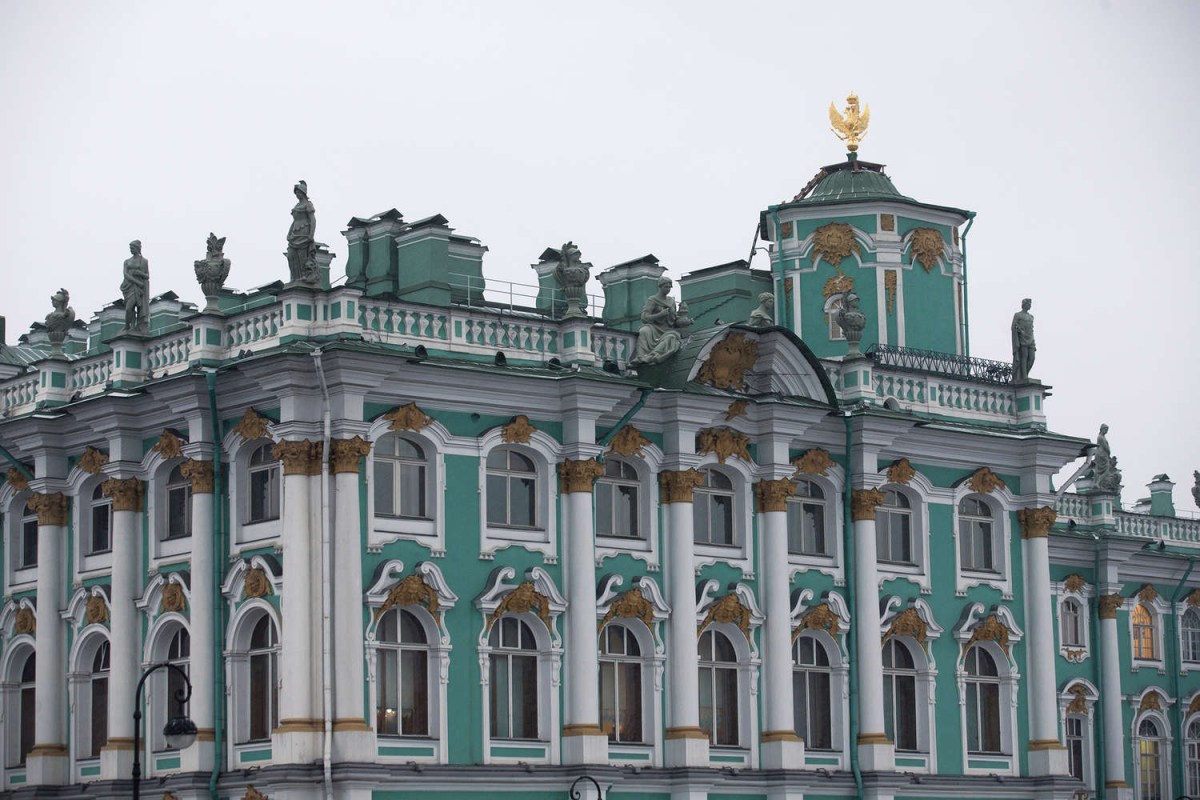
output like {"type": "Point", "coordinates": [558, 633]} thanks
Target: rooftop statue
{"type": "Point", "coordinates": [852, 321]}
{"type": "Point", "coordinates": [764, 315]}
{"type": "Point", "coordinates": [572, 275]}
{"type": "Point", "coordinates": [59, 321]}
{"type": "Point", "coordinates": [662, 328]}
{"type": "Point", "coordinates": [1024, 349]}
{"type": "Point", "coordinates": [302, 246]}
{"type": "Point", "coordinates": [1104, 473]}
{"type": "Point", "coordinates": [850, 126]}
{"type": "Point", "coordinates": [1196, 488]}
{"type": "Point", "coordinates": [136, 290]}
{"type": "Point", "coordinates": [212, 271]}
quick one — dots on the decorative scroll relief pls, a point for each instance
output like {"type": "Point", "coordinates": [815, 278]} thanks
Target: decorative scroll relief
{"type": "Point", "coordinates": [628, 442]}
{"type": "Point", "coordinates": [908, 623]}
{"type": "Point", "coordinates": [901, 471]}
{"type": "Point", "coordinates": [1078, 704]}
{"type": "Point", "coordinates": [252, 426]}
{"type": "Point", "coordinates": [1150, 702]}
{"type": "Point", "coordinates": [643, 602]}
{"type": "Point", "coordinates": [912, 618]}
{"type": "Point", "coordinates": [728, 609]}
{"type": "Point", "coordinates": [838, 284]}
{"type": "Point", "coordinates": [820, 618]}
{"type": "Point", "coordinates": [631, 605]}
{"type": "Point", "coordinates": [519, 431]}
{"type": "Point", "coordinates": [736, 409]}
{"type": "Point", "coordinates": [1074, 655]}
{"type": "Point", "coordinates": [990, 630]}
{"type": "Point", "coordinates": [984, 481]}
{"type": "Point", "coordinates": [724, 443]}
{"type": "Point", "coordinates": [169, 445]}
{"type": "Point", "coordinates": [91, 461]}
{"type": "Point", "coordinates": [95, 611]}
{"type": "Point", "coordinates": [729, 361]}
{"type": "Point", "coordinates": [1074, 583]}
{"type": "Point", "coordinates": [828, 614]}
{"type": "Point", "coordinates": [24, 622]}
{"type": "Point", "coordinates": [994, 625]}
{"type": "Point", "coordinates": [425, 586]}
{"type": "Point", "coordinates": [813, 462]}
{"type": "Point", "coordinates": [834, 242]}
{"type": "Point", "coordinates": [256, 583]}
{"type": "Point", "coordinates": [927, 247]}
{"type": "Point", "coordinates": [739, 608]}
{"type": "Point", "coordinates": [522, 599]}
{"type": "Point", "coordinates": [410, 591]}
{"type": "Point", "coordinates": [536, 593]}
{"type": "Point", "coordinates": [407, 418]}
{"type": "Point", "coordinates": [173, 599]}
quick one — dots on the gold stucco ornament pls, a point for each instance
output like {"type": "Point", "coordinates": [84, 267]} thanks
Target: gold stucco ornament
{"type": "Point", "coordinates": [677, 486]}
{"type": "Point", "coordinates": [17, 479]}
{"type": "Point", "coordinates": [927, 247]}
{"type": "Point", "coordinates": [984, 481]}
{"type": "Point", "coordinates": [169, 444]}
{"type": "Point", "coordinates": [1150, 702]}
{"type": "Point", "coordinates": [773, 495]}
{"type": "Point", "coordinates": [411, 591]}
{"type": "Point", "coordinates": [814, 462]}
{"type": "Point", "coordinates": [578, 476]}
{"type": "Point", "coordinates": [736, 409]}
{"type": "Point", "coordinates": [833, 242]}
{"type": "Point", "coordinates": [256, 583]}
{"type": "Point", "coordinates": [631, 605]}
{"type": "Point", "coordinates": [1078, 705]}
{"type": "Point", "coordinates": [728, 362]}
{"type": "Point", "coordinates": [820, 618]}
{"type": "Point", "coordinates": [1074, 583]}
{"type": "Point", "coordinates": [407, 418]}
{"type": "Point", "coordinates": [92, 460]}
{"type": "Point", "coordinates": [95, 612]}
{"type": "Point", "coordinates": [728, 609]}
{"type": "Point", "coordinates": [901, 471]}
{"type": "Point", "coordinates": [851, 125]}
{"type": "Point", "coordinates": [173, 599]}
{"type": "Point", "coordinates": [990, 630]}
{"type": "Point", "coordinates": [908, 623]}
{"type": "Point", "coordinates": [522, 599]}
{"type": "Point", "coordinates": [24, 622]}
{"type": "Point", "coordinates": [252, 426]}
{"type": "Point", "coordinates": [519, 431]}
{"type": "Point", "coordinates": [724, 443]}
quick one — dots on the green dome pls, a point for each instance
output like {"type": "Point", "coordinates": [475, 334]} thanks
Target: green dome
{"type": "Point", "coordinates": [851, 181]}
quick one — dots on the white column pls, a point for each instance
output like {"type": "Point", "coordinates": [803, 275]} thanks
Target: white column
{"type": "Point", "coordinates": [687, 744]}
{"type": "Point", "coordinates": [353, 738]}
{"type": "Point", "coordinates": [201, 670]}
{"type": "Point", "coordinates": [125, 662]}
{"type": "Point", "coordinates": [781, 748]}
{"type": "Point", "coordinates": [875, 750]}
{"type": "Point", "coordinates": [583, 742]}
{"type": "Point", "coordinates": [47, 762]}
{"type": "Point", "coordinates": [1115, 787]}
{"type": "Point", "coordinates": [297, 740]}
{"type": "Point", "coordinates": [1046, 755]}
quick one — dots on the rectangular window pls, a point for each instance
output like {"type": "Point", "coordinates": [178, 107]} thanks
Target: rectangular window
{"type": "Point", "coordinates": [101, 523]}
{"type": "Point", "coordinates": [99, 715]}
{"type": "Point", "coordinates": [900, 710]}
{"type": "Point", "coordinates": [414, 695]}
{"type": "Point", "coordinates": [989, 712]}
{"type": "Point", "coordinates": [617, 510]}
{"type": "Point", "coordinates": [1074, 729]}
{"type": "Point", "coordinates": [893, 537]}
{"type": "Point", "coordinates": [975, 544]}
{"type": "Point", "coordinates": [806, 528]}
{"type": "Point", "coordinates": [179, 512]}
{"type": "Point", "coordinates": [1191, 644]}
{"type": "Point", "coordinates": [262, 681]}
{"type": "Point", "coordinates": [387, 720]}
{"type": "Point", "coordinates": [1193, 769]}
{"type": "Point", "coordinates": [1149, 775]}
{"type": "Point", "coordinates": [264, 495]}
{"type": "Point", "coordinates": [28, 699]}
{"type": "Point", "coordinates": [29, 543]}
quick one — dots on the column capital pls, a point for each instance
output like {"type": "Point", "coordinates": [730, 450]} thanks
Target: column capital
{"type": "Point", "coordinates": [863, 503]}
{"type": "Point", "coordinates": [127, 493]}
{"type": "Point", "coordinates": [1108, 605]}
{"type": "Point", "coordinates": [200, 474]}
{"type": "Point", "coordinates": [51, 509]}
{"type": "Point", "coordinates": [773, 495]}
{"type": "Point", "coordinates": [578, 476]}
{"type": "Point", "coordinates": [677, 486]}
{"type": "Point", "coordinates": [344, 454]}
{"type": "Point", "coordinates": [1036, 522]}
{"type": "Point", "coordinates": [299, 457]}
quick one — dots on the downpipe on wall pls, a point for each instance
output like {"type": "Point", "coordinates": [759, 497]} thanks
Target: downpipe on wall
{"type": "Point", "coordinates": [218, 653]}
{"type": "Point", "coordinates": [851, 652]}
{"type": "Point", "coordinates": [326, 556]}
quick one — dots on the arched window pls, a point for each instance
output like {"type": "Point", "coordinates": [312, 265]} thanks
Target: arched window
{"type": "Point", "coordinates": [806, 520]}
{"type": "Point", "coordinates": [179, 504]}
{"type": "Point", "coordinates": [100, 514]}
{"type": "Point", "coordinates": [900, 694]}
{"type": "Point", "coordinates": [617, 510]}
{"type": "Point", "coordinates": [1075, 745]}
{"type": "Point", "coordinates": [1150, 763]}
{"type": "Point", "coordinates": [718, 689]}
{"type": "Point", "coordinates": [975, 542]}
{"type": "Point", "coordinates": [620, 684]}
{"type": "Point", "coordinates": [29, 540]}
{"type": "Point", "coordinates": [28, 700]}
{"type": "Point", "coordinates": [513, 682]}
{"type": "Point", "coordinates": [179, 652]}
{"type": "Point", "coordinates": [983, 702]}
{"type": "Point", "coordinates": [812, 700]}
{"type": "Point", "coordinates": [1070, 623]}
{"type": "Point", "coordinates": [1190, 631]}
{"type": "Point", "coordinates": [832, 307]}
{"type": "Point", "coordinates": [99, 681]}
{"type": "Point", "coordinates": [402, 664]}
{"type": "Point", "coordinates": [263, 473]}
{"type": "Point", "coordinates": [512, 490]}
{"type": "Point", "coordinates": [1145, 644]}
{"type": "Point", "coordinates": [262, 697]}
{"type": "Point", "coordinates": [712, 509]}
{"type": "Point", "coordinates": [400, 474]}
{"type": "Point", "coordinates": [893, 529]}
{"type": "Point", "coordinates": [1192, 756]}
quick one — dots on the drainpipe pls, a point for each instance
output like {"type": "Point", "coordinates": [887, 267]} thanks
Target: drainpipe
{"type": "Point", "coordinates": [786, 304]}
{"type": "Point", "coordinates": [219, 704]}
{"type": "Point", "coordinates": [1175, 668]}
{"type": "Point", "coordinates": [966, 327]}
{"type": "Point", "coordinates": [326, 560]}
{"type": "Point", "coordinates": [623, 421]}
{"type": "Point", "coordinates": [848, 540]}
{"type": "Point", "coordinates": [12, 460]}
{"type": "Point", "coordinates": [1098, 673]}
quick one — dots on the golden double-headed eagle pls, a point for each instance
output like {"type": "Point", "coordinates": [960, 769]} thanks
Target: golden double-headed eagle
{"type": "Point", "coordinates": [851, 127]}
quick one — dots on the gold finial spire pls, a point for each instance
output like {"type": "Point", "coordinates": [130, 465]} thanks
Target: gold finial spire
{"type": "Point", "coordinates": [851, 127]}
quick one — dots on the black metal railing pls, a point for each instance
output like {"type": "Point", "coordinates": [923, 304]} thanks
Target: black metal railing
{"type": "Point", "coordinates": [911, 358]}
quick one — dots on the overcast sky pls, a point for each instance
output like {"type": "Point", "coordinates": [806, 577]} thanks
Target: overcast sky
{"type": "Point", "coordinates": [635, 128]}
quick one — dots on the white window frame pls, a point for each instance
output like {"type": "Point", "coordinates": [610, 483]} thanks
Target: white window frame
{"type": "Point", "coordinates": [249, 534]}
{"type": "Point", "coordinates": [1165, 752]}
{"type": "Point", "coordinates": [1002, 505]}
{"type": "Point", "coordinates": [158, 471]}
{"type": "Point", "coordinates": [1083, 598]}
{"type": "Point", "coordinates": [1185, 666]}
{"type": "Point", "coordinates": [159, 705]}
{"type": "Point", "coordinates": [434, 440]}
{"type": "Point", "coordinates": [917, 490]}
{"type": "Point", "coordinates": [741, 553]}
{"type": "Point", "coordinates": [832, 485]}
{"type": "Point", "coordinates": [1091, 695]}
{"type": "Point", "coordinates": [17, 650]}
{"type": "Point", "coordinates": [88, 638]}
{"type": "Point", "coordinates": [1010, 679]}
{"type": "Point", "coordinates": [1159, 609]}
{"type": "Point", "coordinates": [1191, 745]}
{"type": "Point", "coordinates": [832, 329]}
{"type": "Point", "coordinates": [926, 666]}
{"type": "Point", "coordinates": [81, 487]}
{"type": "Point", "coordinates": [749, 663]}
{"type": "Point", "coordinates": [19, 578]}
{"type": "Point", "coordinates": [646, 547]}
{"type": "Point", "coordinates": [545, 453]}
{"type": "Point", "coordinates": [803, 603]}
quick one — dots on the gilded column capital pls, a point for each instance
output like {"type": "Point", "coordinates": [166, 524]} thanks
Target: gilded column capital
{"type": "Point", "coordinates": [299, 457]}
{"type": "Point", "coordinates": [1036, 522]}
{"type": "Point", "coordinates": [677, 486]}
{"type": "Point", "coordinates": [126, 493]}
{"type": "Point", "coordinates": [578, 476]}
{"type": "Point", "coordinates": [773, 495]}
{"type": "Point", "coordinates": [200, 474]}
{"type": "Point", "coordinates": [863, 503]}
{"type": "Point", "coordinates": [1108, 605]}
{"type": "Point", "coordinates": [345, 454]}
{"type": "Point", "coordinates": [51, 509]}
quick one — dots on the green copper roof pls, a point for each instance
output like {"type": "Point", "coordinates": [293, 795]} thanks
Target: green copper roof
{"type": "Point", "coordinates": [850, 184]}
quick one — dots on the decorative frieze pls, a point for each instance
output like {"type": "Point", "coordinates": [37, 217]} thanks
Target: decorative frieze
{"type": "Point", "coordinates": [578, 476]}
{"type": "Point", "coordinates": [863, 503]}
{"type": "Point", "coordinates": [1036, 522]}
{"type": "Point", "coordinates": [252, 426]}
{"type": "Point", "coordinates": [522, 599]}
{"type": "Point", "coordinates": [728, 362]}
{"type": "Point", "coordinates": [628, 442]}
{"type": "Point", "coordinates": [724, 443]}
{"type": "Point", "coordinates": [128, 494]}
{"type": "Point", "coordinates": [984, 481]}
{"type": "Point", "coordinates": [200, 474]}
{"type": "Point", "coordinates": [407, 418]}
{"type": "Point", "coordinates": [677, 486]}
{"type": "Point", "coordinates": [1108, 605]}
{"type": "Point", "coordinates": [728, 609]}
{"type": "Point", "coordinates": [814, 462]}
{"type": "Point", "coordinates": [631, 605]}
{"type": "Point", "coordinates": [51, 509]}
{"type": "Point", "coordinates": [772, 495]}
{"type": "Point", "coordinates": [927, 247]}
{"type": "Point", "coordinates": [169, 445]}
{"type": "Point", "coordinates": [299, 457]}
{"type": "Point", "coordinates": [92, 460]}
{"type": "Point", "coordinates": [519, 431]}
{"type": "Point", "coordinates": [901, 471]}
{"type": "Point", "coordinates": [345, 455]}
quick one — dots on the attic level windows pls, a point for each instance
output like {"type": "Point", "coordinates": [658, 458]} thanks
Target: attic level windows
{"type": "Point", "coordinates": [975, 535]}
{"type": "Point", "coordinates": [101, 519]}
{"type": "Point", "coordinates": [512, 496]}
{"type": "Point", "coordinates": [29, 540]}
{"type": "Point", "coordinates": [893, 529]}
{"type": "Point", "coordinates": [400, 470]}
{"type": "Point", "coordinates": [617, 510]}
{"type": "Point", "coordinates": [712, 509]}
{"type": "Point", "coordinates": [806, 520]}
{"type": "Point", "coordinates": [263, 471]}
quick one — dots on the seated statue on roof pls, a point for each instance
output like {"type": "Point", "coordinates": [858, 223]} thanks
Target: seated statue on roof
{"type": "Point", "coordinates": [662, 328]}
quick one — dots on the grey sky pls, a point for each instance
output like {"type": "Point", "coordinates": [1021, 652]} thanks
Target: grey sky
{"type": "Point", "coordinates": [634, 128]}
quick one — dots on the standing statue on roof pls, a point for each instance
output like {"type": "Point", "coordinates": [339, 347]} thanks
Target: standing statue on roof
{"type": "Point", "coordinates": [136, 290]}
{"type": "Point", "coordinates": [1196, 488]}
{"type": "Point", "coordinates": [662, 329]}
{"type": "Point", "coordinates": [302, 246]}
{"type": "Point", "coordinates": [1024, 349]}
{"type": "Point", "coordinates": [572, 275]}
{"type": "Point", "coordinates": [59, 321]}
{"type": "Point", "coordinates": [764, 315]}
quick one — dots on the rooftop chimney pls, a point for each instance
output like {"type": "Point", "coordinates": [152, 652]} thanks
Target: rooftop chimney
{"type": "Point", "coordinates": [1161, 503]}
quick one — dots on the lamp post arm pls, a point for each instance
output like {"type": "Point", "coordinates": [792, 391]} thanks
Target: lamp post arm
{"type": "Point", "coordinates": [181, 697]}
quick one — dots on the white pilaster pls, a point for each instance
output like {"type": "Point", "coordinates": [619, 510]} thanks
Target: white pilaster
{"type": "Point", "coordinates": [1115, 787]}
{"type": "Point", "coordinates": [1046, 755]}
{"type": "Point", "coordinates": [47, 762]}
{"type": "Point", "coordinates": [125, 663]}
{"type": "Point", "coordinates": [875, 751]}
{"type": "Point", "coordinates": [200, 620]}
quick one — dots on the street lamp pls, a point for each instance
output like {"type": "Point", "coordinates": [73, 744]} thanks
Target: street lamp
{"type": "Point", "coordinates": [577, 795]}
{"type": "Point", "coordinates": [179, 731]}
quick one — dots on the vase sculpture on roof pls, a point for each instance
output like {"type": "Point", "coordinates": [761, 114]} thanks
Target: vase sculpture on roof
{"type": "Point", "coordinates": [852, 321]}
{"type": "Point", "coordinates": [302, 246]}
{"type": "Point", "coordinates": [764, 315]}
{"type": "Point", "coordinates": [1024, 349]}
{"type": "Point", "coordinates": [135, 288]}
{"type": "Point", "coordinates": [662, 329]}
{"type": "Point", "coordinates": [1196, 488]}
{"type": "Point", "coordinates": [572, 274]}
{"type": "Point", "coordinates": [59, 322]}
{"type": "Point", "coordinates": [212, 271]}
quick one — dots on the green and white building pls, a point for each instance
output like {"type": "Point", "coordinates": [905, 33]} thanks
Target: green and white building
{"type": "Point", "coordinates": [457, 548]}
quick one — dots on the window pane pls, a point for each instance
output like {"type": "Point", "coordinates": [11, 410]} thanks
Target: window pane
{"type": "Point", "coordinates": [901, 541]}
{"type": "Point", "coordinates": [989, 700]}
{"type": "Point", "coordinates": [800, 705]}
{"type": "Point", "coordinates": [99, 715]}
{"type": "Point", "coordinates": [883, 538]}
{"type": "Point", "coordinates": [608, 699]}
{"type": "Point", "coordinates": [706, 701]}
{"type": "Point", "coordinates": [726, 731]}
{"type": "Point", "coordinates": [820, 725]}
{"type": "Point", "coordinates": [604, 509]}
{"type": "Point", "coordinates": [498, 688]}
{"type": "Point", "coordinates": [260, 495]}
{"type": "Point", "coordinates": [523, 501]}
{"type": "Point", "coordinates": [28, 702]}
{"type": "Point", "coordinates": [700, 518]}
{"type": "Point", "coordinates": [722, 519]}
{"type": "Point", "coordinates": [179, 514]}
{"type": "Point", "coordinates": [814, 529]}
{"type": "Point", "coordinates": [627, 511]}
{"type": "Point", "coordinates": [101, 517]}
{"type": "Point", "coordinates": [414, 706]}
{"type": "Point", "coordinates": [497, 500]}
{"type": "Point", "coordinates": [29, 538]}
{"type": "Point", "coordinates": [525, 697]}
{"type": "Point", "coordinates": [631, 702]}
{"type": "Point", "coordinates": [387, 669]}
{"type": "Point", "coordinates": [260, 678]}
{"type": "Point", "coordinates": [412, 490]}
{"type": "Point", "coordinates": [384, 489]}
{"type": "Point", "coordinates": [906, 712]}
{"type": "Point", "coordinates": [972, 718]}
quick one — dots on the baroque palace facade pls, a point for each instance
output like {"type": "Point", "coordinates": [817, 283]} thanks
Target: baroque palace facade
{"type": "Point", "coordinates": [458, 547]}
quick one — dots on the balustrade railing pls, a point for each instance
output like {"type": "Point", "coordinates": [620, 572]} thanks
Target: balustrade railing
{"type": "Point", "coordinates": [949, 364]}
{"type": "Point", "coordinates": [169, 355]}
{"type": "Point", "coordinates": [91, 374]}
{"type": "Point", "coordinates": [945, 396]}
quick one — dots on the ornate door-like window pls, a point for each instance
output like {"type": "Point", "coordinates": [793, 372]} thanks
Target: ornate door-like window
{"type": "Point", "coordinates": [983, 702]}
{"type": "Point", "coordinates": [1190, 632]}
{"type": "Point", "coordinates": [718, 689]}
{"type": "Point", "coordinates": [264, 680]}
{"type": "Point", "coordinates": [712, 509]}
{"type": "Point", "coordinates": [900, 695]}
{"type": "Point", "coordinates": [402, 661]}
{"type": "Point", "coordinates": [893, 529]}
{"type": "Point", "coordinates": [400, 470]}
{"type": "Point", "coordinates": [513, 682]}
{"type": "Point", "coordinates": [1069, 623]}
{"type": "Point", "coordinates": [617, 511]}
{"type": "Point", "coordinates": [1151, 785]}
{"type": "Point", "coordinates": [806, 520]}
{"type": "Point", "coordinates": [99, 681]}
{"type": "Point", "coordinates": [179, 652]}
{"type": "Point", "coordinates": [179, 504]}
{"type": "Point", "coordinates": [1075, 741]}
{"type": "Point", "coordinates": [1144, 634]}
{"type": "Point", "coordinates": [512, 494]}
{"type": "Point", "coordinates": [29, 540]}
{"type": "Point", "coordinates": [620, 684]}
{"type": "Point", "coordinates": [1192, 756]}
{"type": "Point", "coordinates": [812, 700]}
{"type": "Point", "coordinates": [28, 706]}
{"type": "Point", "coordinates": [100, 510]}
{"type": "Point", "coordinates": [975, 535]}
{"type": "Point", "coordinates": [263, 472]}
